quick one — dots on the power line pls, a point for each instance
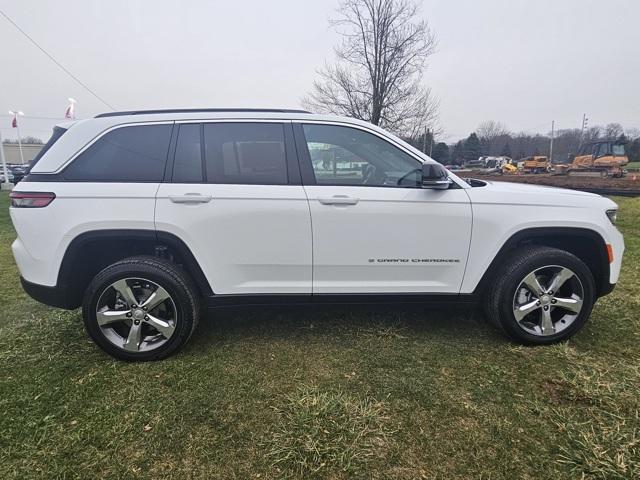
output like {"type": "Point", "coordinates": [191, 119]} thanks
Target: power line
{"type": "Point", "coordinates": [54, 60]}
{"type": "Point", "coordinates": [35, 117]}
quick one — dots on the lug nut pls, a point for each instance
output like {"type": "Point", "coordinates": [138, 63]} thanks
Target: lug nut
{"type": "Point", "coordinates": [137, 322]}
{"type": "Point", "coordinates": [546, 307]}
{"type": "Point", "coordinates": [538, 302]}
{"type": "Point", "coordinates": [553, 300]}
{"type": "Point", "coordinates": [128, 314]}
{"type": "Point", "coordinates": [146, 317]}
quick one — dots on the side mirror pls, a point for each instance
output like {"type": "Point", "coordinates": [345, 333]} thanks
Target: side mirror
{"type": "Point", "coordinates": [435, 176]}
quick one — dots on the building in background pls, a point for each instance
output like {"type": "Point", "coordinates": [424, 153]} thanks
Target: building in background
{"type": "Point", "coordinates": [29, 150]}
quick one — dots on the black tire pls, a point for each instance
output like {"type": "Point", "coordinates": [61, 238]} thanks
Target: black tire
{"type": "Point", "coordinates": [499, 300]}
{"type": "Point", "coordinates": [165, 274]}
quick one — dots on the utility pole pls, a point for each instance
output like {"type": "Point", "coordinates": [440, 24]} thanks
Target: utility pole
{"type": "Point", "coordinates": [553, 124]}
{"type": "Point", "coordinates": [424, 141]}
{"type": "Point", "coordinates": [585, 120]}
{"type": "Point", "coordinates": [430, 143]}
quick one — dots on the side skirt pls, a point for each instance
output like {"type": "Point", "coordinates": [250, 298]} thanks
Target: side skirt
{"type": "Point", "coordinates": [251, 300]}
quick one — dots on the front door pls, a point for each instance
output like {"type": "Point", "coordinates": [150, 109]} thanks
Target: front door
{"type": "Point", "coordinates": [236, 201]}
{"type": "Point", "coordinates": [375, 230]}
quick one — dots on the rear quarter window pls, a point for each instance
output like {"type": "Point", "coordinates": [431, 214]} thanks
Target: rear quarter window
{"type": "Point", "coordinates": [127, 154]}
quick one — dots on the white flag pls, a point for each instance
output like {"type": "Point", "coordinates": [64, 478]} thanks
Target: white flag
{"type": "Point", "coordinates": [70, 112]}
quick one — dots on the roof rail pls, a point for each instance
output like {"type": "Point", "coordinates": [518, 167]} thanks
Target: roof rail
{"type": "Point", "coordinates": [200, 110]}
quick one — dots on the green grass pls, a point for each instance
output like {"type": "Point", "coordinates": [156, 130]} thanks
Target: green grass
{"type": "Point", "coordinates": [339, 394]}
{"type": "Point", "coordinates": [632, 165]}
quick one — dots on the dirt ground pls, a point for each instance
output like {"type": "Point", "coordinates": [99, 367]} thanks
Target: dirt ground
{"type": "Point", "coordinates": [629, 183]}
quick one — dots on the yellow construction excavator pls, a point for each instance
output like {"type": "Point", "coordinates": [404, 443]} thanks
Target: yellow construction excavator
{"type": "Point", "coordinates": [509, 168]}
{"type": "Point", "coordinates": [601, 157]}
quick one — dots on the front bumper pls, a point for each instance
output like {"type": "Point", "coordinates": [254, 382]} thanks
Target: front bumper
{"type": "Point", "coordinates": [606, 288]}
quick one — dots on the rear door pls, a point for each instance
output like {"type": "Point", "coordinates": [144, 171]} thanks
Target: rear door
{"type": "Point", "coordinates": [233, 194]}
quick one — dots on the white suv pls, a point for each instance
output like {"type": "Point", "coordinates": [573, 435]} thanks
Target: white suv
{"type": "Point", "coordinates": [146, 217]}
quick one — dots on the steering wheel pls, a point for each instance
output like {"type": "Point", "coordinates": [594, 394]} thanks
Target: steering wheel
{"type": "Point", "coordinates": [369, 174]}
{"type": "Point", "coordinates": [415, 170]}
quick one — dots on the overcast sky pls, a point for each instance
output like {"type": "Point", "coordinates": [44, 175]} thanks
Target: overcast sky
{"type": "Point", "coordinates": [521, 62]}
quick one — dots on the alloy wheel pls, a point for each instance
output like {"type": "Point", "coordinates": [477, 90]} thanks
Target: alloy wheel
{"type": "Point", "coordinates": [548, 300]}
{"type": "Point", "coordinates": [136, 314]}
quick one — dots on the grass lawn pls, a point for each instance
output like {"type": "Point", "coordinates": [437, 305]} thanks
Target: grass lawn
{"type": "Point", "coordinates": [632, 165]}
{"type": "Point", "coordinates": [333, 394]}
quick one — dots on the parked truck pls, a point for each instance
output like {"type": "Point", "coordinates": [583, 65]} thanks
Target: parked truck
{"type": "Point", "coordinates": [536, 164]}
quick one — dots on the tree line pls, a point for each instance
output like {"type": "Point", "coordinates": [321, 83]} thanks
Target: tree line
{"type": "Point", "coordinates": [492, 138]}
{"type": "Point", "coordinates": [28, 140]}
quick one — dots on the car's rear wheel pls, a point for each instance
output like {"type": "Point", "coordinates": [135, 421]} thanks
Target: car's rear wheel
{"type": "Point", "coordinates": [141, 308]}
{"type": "Point", "coordinates": [541, 295]}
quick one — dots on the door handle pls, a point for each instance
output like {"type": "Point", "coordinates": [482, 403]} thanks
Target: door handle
{"type": "Point", "coordinates": [190, 198]}
{"type": "Point", "coordinates": [339, 200]}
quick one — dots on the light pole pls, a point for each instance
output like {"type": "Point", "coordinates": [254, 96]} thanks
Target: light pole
{"type": "Point", "coordinates": [17, 125]}
{"type": "Point", "coordinates": [553, 125]}
{"type": "Point", "coordinates": [4, 166]}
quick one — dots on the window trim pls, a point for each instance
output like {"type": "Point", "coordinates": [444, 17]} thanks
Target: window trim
{"type": "Point", "coordinates": [306, 166]}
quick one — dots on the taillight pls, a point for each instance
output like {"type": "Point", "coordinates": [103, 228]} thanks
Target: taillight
{"type": "Point", "coordinates": [31, 199]}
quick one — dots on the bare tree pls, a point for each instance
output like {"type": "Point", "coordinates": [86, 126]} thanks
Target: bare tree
{"type": "Point", "coordinates": [632, 132]}
{"type": "Point", "coordinates": [489, 132]}
{"type": "Point", "coordinates": [613, 130]}
{"type": "Point", "coordinates": [592, 133]}
{"type": "Point", "coordinates": [380, 62]}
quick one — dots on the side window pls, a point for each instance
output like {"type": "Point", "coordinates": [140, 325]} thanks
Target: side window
{"type": "Point", "coordinates": [245, 153]}
{"type": "Point", "coordinates": [603, 150]}
{"type": "Point", "coordinates": [348, 156]}
{"type": "Point", "coordinates": [187, 166]}
{"type": "Point", "coordinates": [127, 154]}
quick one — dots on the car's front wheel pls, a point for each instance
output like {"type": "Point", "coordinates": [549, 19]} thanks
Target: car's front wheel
{"type": "Point", "coordinates": [541, 295]}
{"type": "Point", "coordinates": [140, 308]}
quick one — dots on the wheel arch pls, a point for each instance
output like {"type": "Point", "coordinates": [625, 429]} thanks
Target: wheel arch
{"type": "Point", "coordinates": [588, 245]}
{"type": "Point", "coordinates": [90, 252]}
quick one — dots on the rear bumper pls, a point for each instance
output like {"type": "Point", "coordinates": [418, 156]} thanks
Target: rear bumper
{"type": "Point", "coordinates": [53, 296]}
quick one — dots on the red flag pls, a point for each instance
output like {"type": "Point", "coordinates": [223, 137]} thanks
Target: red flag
{"type": "Point", "coordinates": [14, 122]}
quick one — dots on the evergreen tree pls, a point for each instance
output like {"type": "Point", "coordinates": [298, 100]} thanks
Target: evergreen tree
{"type": "Point", "coordinates": [457, 157]}
{"type": "Point", "coordinates": [441, 153]}
{"type": "Point", "coordinates": [633, 150]}
{"type": "Point", "coordinates": [506, 150]}
{"type": "Point", "coordinates": [472, 148]}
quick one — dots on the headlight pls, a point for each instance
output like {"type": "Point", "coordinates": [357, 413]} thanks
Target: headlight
{"type": "Point", "coordinates": [613, 216]}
